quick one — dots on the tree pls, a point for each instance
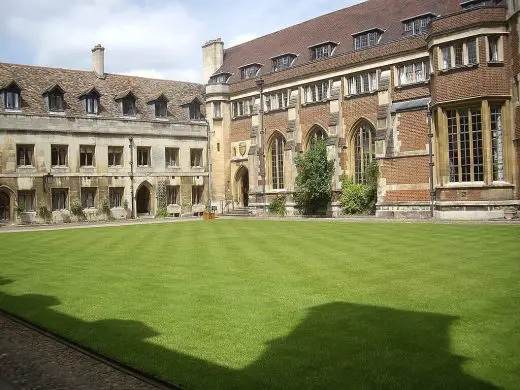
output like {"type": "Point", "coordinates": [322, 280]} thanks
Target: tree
{"type": "Point", "coordinates": [314, 181]}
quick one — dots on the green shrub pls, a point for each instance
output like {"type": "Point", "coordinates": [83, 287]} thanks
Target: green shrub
{"type": "Point", "coordinates": [104, 208]}
{"type": "Point", "coordinates": [372, 182]}
{"type": "Point", "coordinates": [161, 212]}
{"type": "Point", "coordinates": [354, 197]}
{"type": "Point", "coordinates": [277, 205]}
{"type": "Point", "coordinates": [76, 208]}
{"type": "Point", "coordinates": [66, 218]}
{"type": "Point", "coordinates": [44, 213]}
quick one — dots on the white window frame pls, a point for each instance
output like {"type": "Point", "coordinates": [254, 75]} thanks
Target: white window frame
{"type": "Point", "coordinates": [403, 71]}
{"type": "Point", "coordinates": [312, 92]}
{"type": "Point", "coordinates": [356, 83]}
{"type": "Point", "coordinates": [449, 50]}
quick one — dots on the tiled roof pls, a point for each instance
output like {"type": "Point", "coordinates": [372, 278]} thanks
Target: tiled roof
{"type": "Point", "coordinates": [338, 27]}
{"type": "Point", "coordinates": [35, 81]}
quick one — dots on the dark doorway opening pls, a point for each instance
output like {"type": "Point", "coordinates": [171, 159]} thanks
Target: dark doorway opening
{"type": "Point", "coordinates": [5, 209]}
{"type": "Point", "coordinates": [143, 200]}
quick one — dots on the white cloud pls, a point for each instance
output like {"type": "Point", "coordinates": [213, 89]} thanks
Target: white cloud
{"type": "Point", "coordinates": [241, 39]}
{"type": "Point", "coordinates": [154, 37]}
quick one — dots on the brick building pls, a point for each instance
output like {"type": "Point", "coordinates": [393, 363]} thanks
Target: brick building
{"type": "Point", "coordinates": [373, 80]}
{"type": "Point", "coordinates": [65, 136]}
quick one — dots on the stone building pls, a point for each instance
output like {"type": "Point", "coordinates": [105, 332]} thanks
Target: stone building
{"type": "Point", "coordinates": [373, 80]}
{"type": "Point", "coordinates": [69, 136]}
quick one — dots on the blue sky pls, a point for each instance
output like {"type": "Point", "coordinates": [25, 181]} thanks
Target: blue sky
{"type": "Point", "coordinates": [151, 38]}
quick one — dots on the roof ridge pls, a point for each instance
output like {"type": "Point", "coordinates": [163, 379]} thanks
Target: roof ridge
{"type": "Point", "coordinates": [91, 71]}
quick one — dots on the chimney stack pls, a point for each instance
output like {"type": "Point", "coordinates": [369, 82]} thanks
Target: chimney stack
{"type": "Point", "coordinates": [213, 57]}
{"type": "Point", "coordinates": [98, 61]}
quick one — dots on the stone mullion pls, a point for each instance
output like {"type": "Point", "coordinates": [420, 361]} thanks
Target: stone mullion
{"type": "Point", "coordinates": [487, 142]}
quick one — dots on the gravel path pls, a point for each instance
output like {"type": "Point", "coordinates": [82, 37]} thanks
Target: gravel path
{"type": "Point", "coordinates": [30, 360]}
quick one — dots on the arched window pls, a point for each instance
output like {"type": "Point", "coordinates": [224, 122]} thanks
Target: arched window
{"type": "Point", "coordinates": [276, 149]}
{"type": "Point", "coordinates": [363, 151]}
{"type": "Point", "coordinates": [316, 133]}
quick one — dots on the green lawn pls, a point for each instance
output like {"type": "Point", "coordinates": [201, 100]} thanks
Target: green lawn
{"type": "Point", "coordinates": [281, 305]}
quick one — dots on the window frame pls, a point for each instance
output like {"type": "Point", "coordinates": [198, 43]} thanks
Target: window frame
{"type": "Point", "coordinates": [88, 194]}
{"type": "Point", "coordinates": [62, 154]}
{"type": "Point", "coordinates": [197, 195]}
{"type": "Point", "coordinates": [461, 145]}
{"type": "Point", "coordinates": [25, 197]}
{"type": "Point", "coordinates": [282, 62]}
{"type": "Point", "coordinates": [367, 39]}
{"type": "Point", "coordinates": [56, 101]}
{"type": "Point", "coordinates": [84, 152]}
{"type": "Point", "coordinates": [140, 150]}
{"type": "Point", "coordinates": [249, 71]}
{"type": "Point", "coordinates": [196, 155]}
{"type": "Point", "coordinates": [217, 113]}
{"type": "Point", "coordinates": [114, 151]}
{"type": "Point", "coordinates": [356, 83]}
{"type": "Point", "coordinates": [116, 196]}
{"type": "Point", "coordinates": [168, 151]}
{"type": "Point", "coordinates": [92, 103]}
{"type": "Point", "coordinates": [173, 193]}
{"type": "Point", "coordinates": [161, 109]}
{"type": "Point", "coordinates": [28, 154]}
{"type": "Point", "coordinates": [404, 69]}
{"type": "Point", "coordinates": [128, 106]}
{"type": "Point", "coordinates": [317, 92]}
{"type": "Point", "coordinates": [449, 57]}
{"type": "Point", "coordinates": [361, 156]}
{"type": "Point", "coordinates": [59, 197]}
{"type": "Point", "coordinates": [276, 162]}
{"type": "Point", "coordinates": [16, 93]}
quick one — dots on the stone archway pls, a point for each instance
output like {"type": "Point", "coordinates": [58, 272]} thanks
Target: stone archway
{"type": "Point", "coordinates": [7, 204]}
{"type": "Point", "coordinates": [144, 199]}
{"type": "Point", "coordinates": [242, 186]}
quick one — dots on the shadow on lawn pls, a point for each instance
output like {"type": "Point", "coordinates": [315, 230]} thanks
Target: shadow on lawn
{"type": "Point", "coordinates": [337, 346]}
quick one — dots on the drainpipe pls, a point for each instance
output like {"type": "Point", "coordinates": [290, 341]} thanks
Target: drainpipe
{"type": "Point", "coordinates": [131, 139]}
{"type": "Point", "coordinates": [431, 163]}
{"type": "Point", "coordinates": [260, 83]}
{"type": "Point", "coordinates": [209, 165]}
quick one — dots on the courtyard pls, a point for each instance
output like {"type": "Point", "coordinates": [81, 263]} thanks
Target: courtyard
{"type": "Point", "coordinates": [236, 304]}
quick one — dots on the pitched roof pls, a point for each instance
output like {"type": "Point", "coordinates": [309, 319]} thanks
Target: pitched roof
{"type": "Point", "coordinates": [34, 80]}
{"type": "Point", "coordinates": [338, 27]}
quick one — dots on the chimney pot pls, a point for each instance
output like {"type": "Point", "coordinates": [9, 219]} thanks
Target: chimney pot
{"type": "Point", "coordinates": [98, 60]}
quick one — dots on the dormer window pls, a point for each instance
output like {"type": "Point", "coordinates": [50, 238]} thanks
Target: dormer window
{"type": "Point", "coordinates": [249, 71]}
{"type": "Point", "coordinates": [480, 3]}
{"type": "Point", "coordinates": [195, 110]}
{"type": "Point", "coordinates": [91, 101]}
{"type": "Point", "coordinates": [127, 102]}
{"type": "Point", "coordinates": [221, 78]}
{"type": "Point", "coordinates": [283, 62]}
{"type": "Point", "coordinates": [417, 25]}
{"type": "Point", "coordinates": [55, 98]}
{"type": "Point", "coordinates": [322, 50]}
{"type": "Point", "coordinates": [160, 106]}
{"type": "Point", "coordinates": [12, 99]}
{"type": "Point", "coordinates": [368, 38]}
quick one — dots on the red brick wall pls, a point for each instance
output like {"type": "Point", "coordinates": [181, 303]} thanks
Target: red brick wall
{"type": "Point", "coordinates": [357, 108]}
{"type": "Point", "coordinates": [406, 196]}
{"type": "Point", "coordinates": [314, 114]}
{"type": "Point", "coordinates": [413, 131]}
{"type": "Point", "coordinates": [276, 120]}
{"type": "Point", "coordinates": [474, 194]}
{"type": "Point", "coordinates": [410, 92]}
{"type": "Point", "coordinates": [241, 129]}
{"type": "Point", "coordinates": [405, 170]}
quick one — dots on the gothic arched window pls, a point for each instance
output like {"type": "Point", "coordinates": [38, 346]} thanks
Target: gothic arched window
{"type": "Point", "coordinates": [317, 133]}
{"type": "Point", "coordinates": [276, 150]}
{"type": "Point", "coordinates": [363, 151]}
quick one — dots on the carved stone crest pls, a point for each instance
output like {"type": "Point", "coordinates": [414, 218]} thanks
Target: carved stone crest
{"type": "Point", "coordinates": [242, 148]}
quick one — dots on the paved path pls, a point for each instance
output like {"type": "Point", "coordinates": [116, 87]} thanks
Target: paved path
{"type": "Point", "coordinates": [30, 360]}
{"type": "Point", "coordinates": [31, 228]}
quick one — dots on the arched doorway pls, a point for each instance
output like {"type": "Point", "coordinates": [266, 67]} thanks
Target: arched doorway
{"type": "Point", "coordinates": [242, 185]}
{"type": "Point", "coordinates": [5, 206]}
{"type": "Point", "coordinates": [143, 200]}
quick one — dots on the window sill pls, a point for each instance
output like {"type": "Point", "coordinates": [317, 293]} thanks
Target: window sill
{"type": "Point", "coordinates": [13, 110]}
{"type": "Point", "coordinates": [60, 167]}
{"type": "Point", "coordinates": [275, 110]}
{"type": "Point", "coordinates": [57, 113]}
{"type": "Point", "coordinates": [458, 68]}
{"type": "Point", "coordinates": [87, 167]}
{"type": "Point", "coordinates": [412, 85]}
{"type": "Point", "coordinates": [161, 119]}
{"type": "Point", "coordinates": [360, 95]}
{"type": "Point", "coordinates": [129, 117]}
{"type": "Point", "coordinates": [144, 166]}
{"type": "Point", "coordinates": [242, 116]}
{"type": "Point", "coordinates": [26, 167]}
{"type": "Point", "coordinates": [115, 166]}
{"type": "Point", "coordinates": [475, 184]}
{"type": "Point", "coordinates": [307, 104]}
{"type": "Point", "coordinates": [92, 114]}
{"type": "Point", "coordinates": [173, 167]}
{"type": "Point", "coordinates": [496, 64]}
